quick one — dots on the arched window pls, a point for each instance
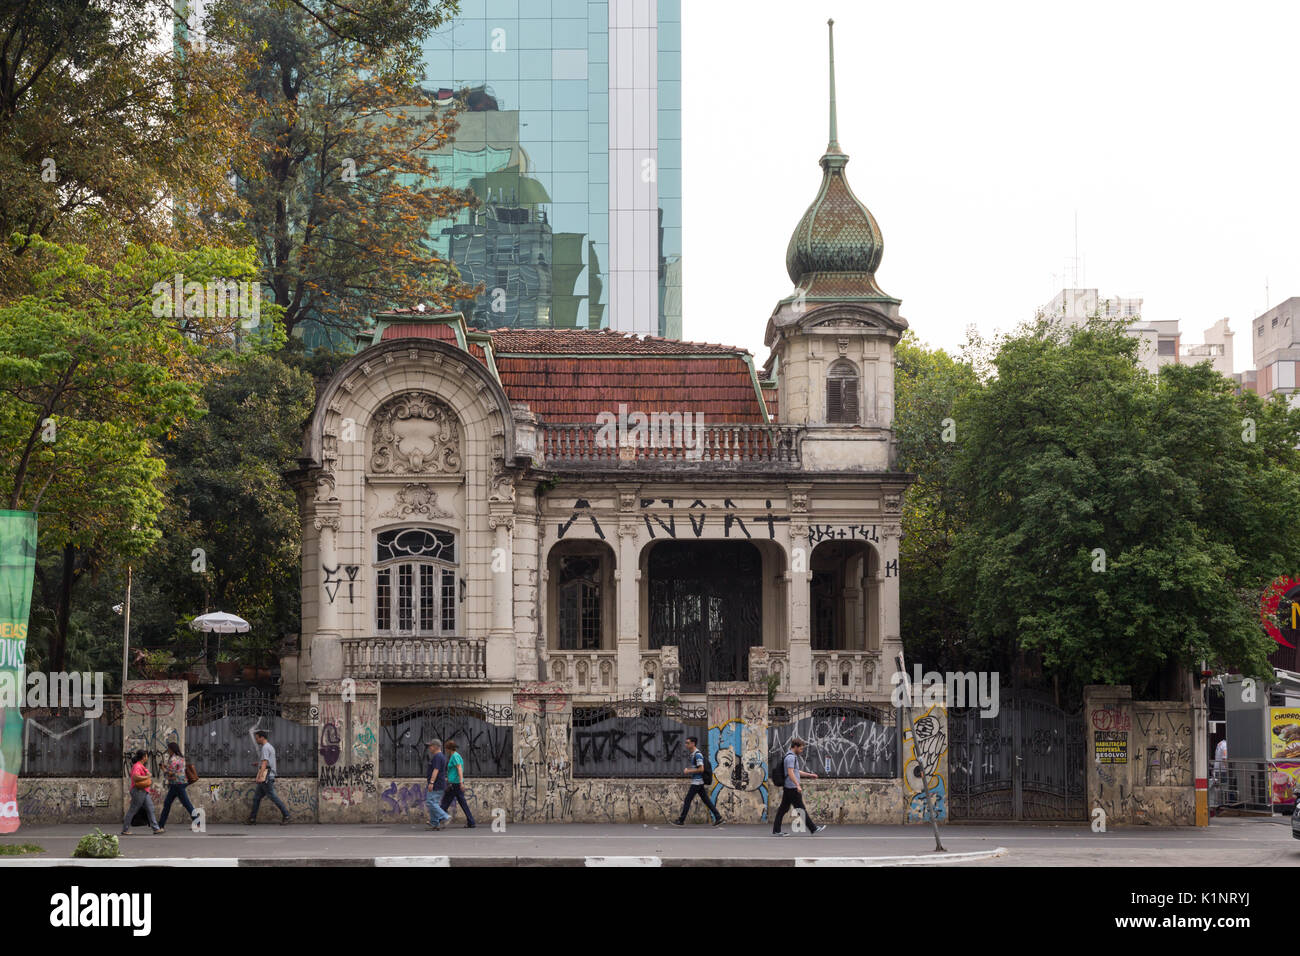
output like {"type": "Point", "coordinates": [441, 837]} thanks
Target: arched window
{"type": "Point", "coordinates": [415, 582]}
{"type": "Point", "coordinates": [579, 602]}
{"type": "Point", "coordinates": [842, 393]}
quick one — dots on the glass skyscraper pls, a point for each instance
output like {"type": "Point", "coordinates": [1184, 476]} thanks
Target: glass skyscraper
{"type": "Point", "coordinates": [570, 136]}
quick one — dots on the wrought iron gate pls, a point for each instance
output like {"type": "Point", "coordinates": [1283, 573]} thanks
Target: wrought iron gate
{"type": "Point", "coordinates": [1025, 763]}
{"type": "Point", "coordinates": [706, 598]}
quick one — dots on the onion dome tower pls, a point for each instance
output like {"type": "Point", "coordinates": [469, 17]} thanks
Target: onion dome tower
{"type": "Point", "coordinates": [833, 337]}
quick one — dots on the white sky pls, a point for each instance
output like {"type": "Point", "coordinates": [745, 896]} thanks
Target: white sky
{"type": "Point", "coordinates": [976, 132]}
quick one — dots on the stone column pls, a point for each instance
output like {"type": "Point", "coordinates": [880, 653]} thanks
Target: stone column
{"type": "Point", "coordinates": [888, 625]}
{"type": "Point", "coordinates": [326, 650]}
{"type": "Point", "coordinates": [527, 585]}
{"type": "Point", "coordinates": [628, 576]}
{"type": "Point", "coordinates": [798, 605]}
{"type": "Point", "coordinates": [348, 770]}
{"type": "Point", "coordinates": [153, 713]}
{"type": "Point", "coordinates": [501, 638]}
{"type": "Point", "coordinates": [543, 778]}
{"type": "Point", "coordinates": [737, 748]}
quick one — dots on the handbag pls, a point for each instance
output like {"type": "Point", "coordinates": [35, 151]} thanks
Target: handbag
{"type": "Point", "coordinates": [144, 783]}
{"type": "Point", "coordinates": [191, 773]}
{"type": "Point", "coordinates": [261, 775]}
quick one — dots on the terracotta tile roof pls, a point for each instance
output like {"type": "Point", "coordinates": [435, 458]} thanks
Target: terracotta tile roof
{"type": "Point", "coordinates": [769, 398]}
{"type": "Point", "coordinates": [604, 341]}
{"type": "Point", "coordinates": [569, 389]}
{"type": "Point", "coordinates": [442, 331]}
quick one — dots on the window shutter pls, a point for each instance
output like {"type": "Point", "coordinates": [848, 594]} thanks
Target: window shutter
{"type": "Point", "coordinates": [849, 399]}
{"type": "Point", "coordinates": [834, 400]}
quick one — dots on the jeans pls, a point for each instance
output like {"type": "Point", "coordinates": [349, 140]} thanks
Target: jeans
{"type": "Point", "coordinates": [697, 789]}
{"type": "Point", "coordinates": [433, 801]}
{"type": "Point", "coordinates": [790, 797]}
{"type": "Point", "coordinates": [267, 790]}
{"type": "Point", "coordinates": [176, 791]}
{"type": "Point", "coordinates": [456, 791]}
{"type": "Point", "coordinates": [139, 797]}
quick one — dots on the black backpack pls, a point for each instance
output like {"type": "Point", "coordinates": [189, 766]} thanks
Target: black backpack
{"type": "Point", "coordinates": [706, 772]}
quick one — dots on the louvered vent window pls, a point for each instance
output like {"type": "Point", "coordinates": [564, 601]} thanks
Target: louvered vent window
{"type": "Point", "coordinates": [842, 393]}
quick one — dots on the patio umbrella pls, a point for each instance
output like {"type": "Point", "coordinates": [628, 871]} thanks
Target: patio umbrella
{"type": "Point", "coordinates": [219, 622]}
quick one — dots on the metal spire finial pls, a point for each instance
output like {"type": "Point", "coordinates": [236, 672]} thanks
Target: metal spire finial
{"type": "Point", "coordinates": [834, 146]}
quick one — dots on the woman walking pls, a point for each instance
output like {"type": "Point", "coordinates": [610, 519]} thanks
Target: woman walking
{"type": "Point", "coordinates": [174, 774]}
{"type": "Point", "coordinates": [141, 781]}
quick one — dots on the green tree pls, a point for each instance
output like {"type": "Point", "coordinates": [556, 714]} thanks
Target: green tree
{"type": "Point", "coordinates": [927, 385]}
{"type": "Point", "coordinates": [92, 378]}
{"type": "Point", "coordinates": [1120, 527]}
{"type": "Point", "coordinates": [340, 192]}
{"type": "Point", "coordinates": [95, 145]}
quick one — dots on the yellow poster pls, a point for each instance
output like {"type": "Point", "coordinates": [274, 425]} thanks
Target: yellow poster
{"type": "Point", "coordinates": [1284, 722]}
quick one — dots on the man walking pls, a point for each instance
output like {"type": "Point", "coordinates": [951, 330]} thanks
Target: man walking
{"type": "Point", "coordinates": [792, 789]}
{"type": "Point", "coordinates": [436, 777]}
{"type": "Point", "coordinates": [695, 770]}
{"type": "Point", "coordinates": [266, 780]}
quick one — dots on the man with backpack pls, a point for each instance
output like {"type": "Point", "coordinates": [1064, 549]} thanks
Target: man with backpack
{"type": "Point", "coordinates": [792, 789]}
{"type": "Point", "coordinates": [701, 774]}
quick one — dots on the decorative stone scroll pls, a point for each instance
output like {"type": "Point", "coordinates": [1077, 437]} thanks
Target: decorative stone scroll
{"type": "Point", "coordinates": [415, 434]}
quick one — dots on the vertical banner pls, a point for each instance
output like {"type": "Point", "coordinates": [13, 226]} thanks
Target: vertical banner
{"type": "Point", "coordinates": [17, 569]}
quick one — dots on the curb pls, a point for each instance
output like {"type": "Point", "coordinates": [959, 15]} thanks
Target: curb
{"type": "Point", "coordinates": [931, 859]}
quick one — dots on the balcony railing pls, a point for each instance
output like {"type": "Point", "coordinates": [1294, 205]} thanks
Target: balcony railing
{"type": "Point", "coordinates": [415, 658]}
{"type": "Point", "coordinates": [579, 444]}
{"type": "Point", "coordinates": [848, 672]}
{"type": "Point", "coordinates": [583, 672]}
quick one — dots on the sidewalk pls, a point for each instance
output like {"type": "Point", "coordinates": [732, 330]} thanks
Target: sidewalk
{"type": "Point", "coordinates": [519, 845]}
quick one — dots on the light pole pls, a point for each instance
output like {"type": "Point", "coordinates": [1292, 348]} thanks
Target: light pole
{"type": "Point", "coordinates": [125, 610]}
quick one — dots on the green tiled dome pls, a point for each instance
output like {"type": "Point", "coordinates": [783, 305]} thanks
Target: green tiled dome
{"type": "Point", "coordinates": [837, 233]}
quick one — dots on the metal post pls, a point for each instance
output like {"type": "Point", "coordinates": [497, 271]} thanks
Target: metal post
{"type": "Point", "coordinates": [126, 628]}
{"type": "Point", "coordinates": [925, 777]}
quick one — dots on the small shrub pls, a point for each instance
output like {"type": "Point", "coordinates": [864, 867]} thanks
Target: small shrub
{"type": "Point", "coordinates": [97, 844]}
{"type": "Point", "coordinates": [18, 849]}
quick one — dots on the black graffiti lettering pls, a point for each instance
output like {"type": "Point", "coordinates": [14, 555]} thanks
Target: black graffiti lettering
{"type": "Point", "coordinates": [697, 528]}
{"type": "Point", "coordinates": [670, 528]}
{"type": "Point", "coordinates": [643, 738]}
{"type": "Point", "coordinates": [726, 522]}
{"type": "Point", "coordinates": [773, 520]}
{"type": "Point", "coordinates": [891, 568]}
{"type": "Point", "coordinates": [581, 507]}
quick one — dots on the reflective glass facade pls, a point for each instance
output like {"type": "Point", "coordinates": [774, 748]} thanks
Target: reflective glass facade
{"type": "Point", "coordinates": [561, 102]}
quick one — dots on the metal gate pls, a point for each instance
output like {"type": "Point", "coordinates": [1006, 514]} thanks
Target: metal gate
{"type": "Point", "coordinates": [1025, 763]}
{"type": "Point", "coordinates": [706, 598]}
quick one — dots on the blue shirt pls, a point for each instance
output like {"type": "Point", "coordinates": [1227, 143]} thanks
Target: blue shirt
{"type": "Point", "coordinates": [791, 763]}
{"type": "Point", "coordinates": [697, 760]}
{"type": "Point", "coordinates": [438, 762]}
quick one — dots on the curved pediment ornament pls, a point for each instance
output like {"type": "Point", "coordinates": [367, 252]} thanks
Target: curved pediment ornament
{"type": "Point", "coordinates": [845, 322]}
{"type": "Point", "coordinates": [416, 498]}
{"type": "Point", "coordinates": [415, 434]}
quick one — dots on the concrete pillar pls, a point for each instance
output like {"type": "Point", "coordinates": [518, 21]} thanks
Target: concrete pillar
{"type": "Point", "coordinates": [501, 637]}
{"type": "Point", "coordinates": [326, 651]}
{"type": "Point", "coordinates": [889, 627]}
{"type": "Point", "coordinates": [1108, 722]}
{"type": "Point", "coordinates": [798, 583]}
{"type": "Point", "coordinates": [348, 771]}
{"type": "Point", "coordinates": [737, 749]}
{"type": "Point", "coordinates": [543, 777]}
{"type": "Point", "coordinates": [153, 713]}
{"type": "Point", "coordinates": [527, 584]}
{"type": "Point", "coordinates": [628, 576]}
